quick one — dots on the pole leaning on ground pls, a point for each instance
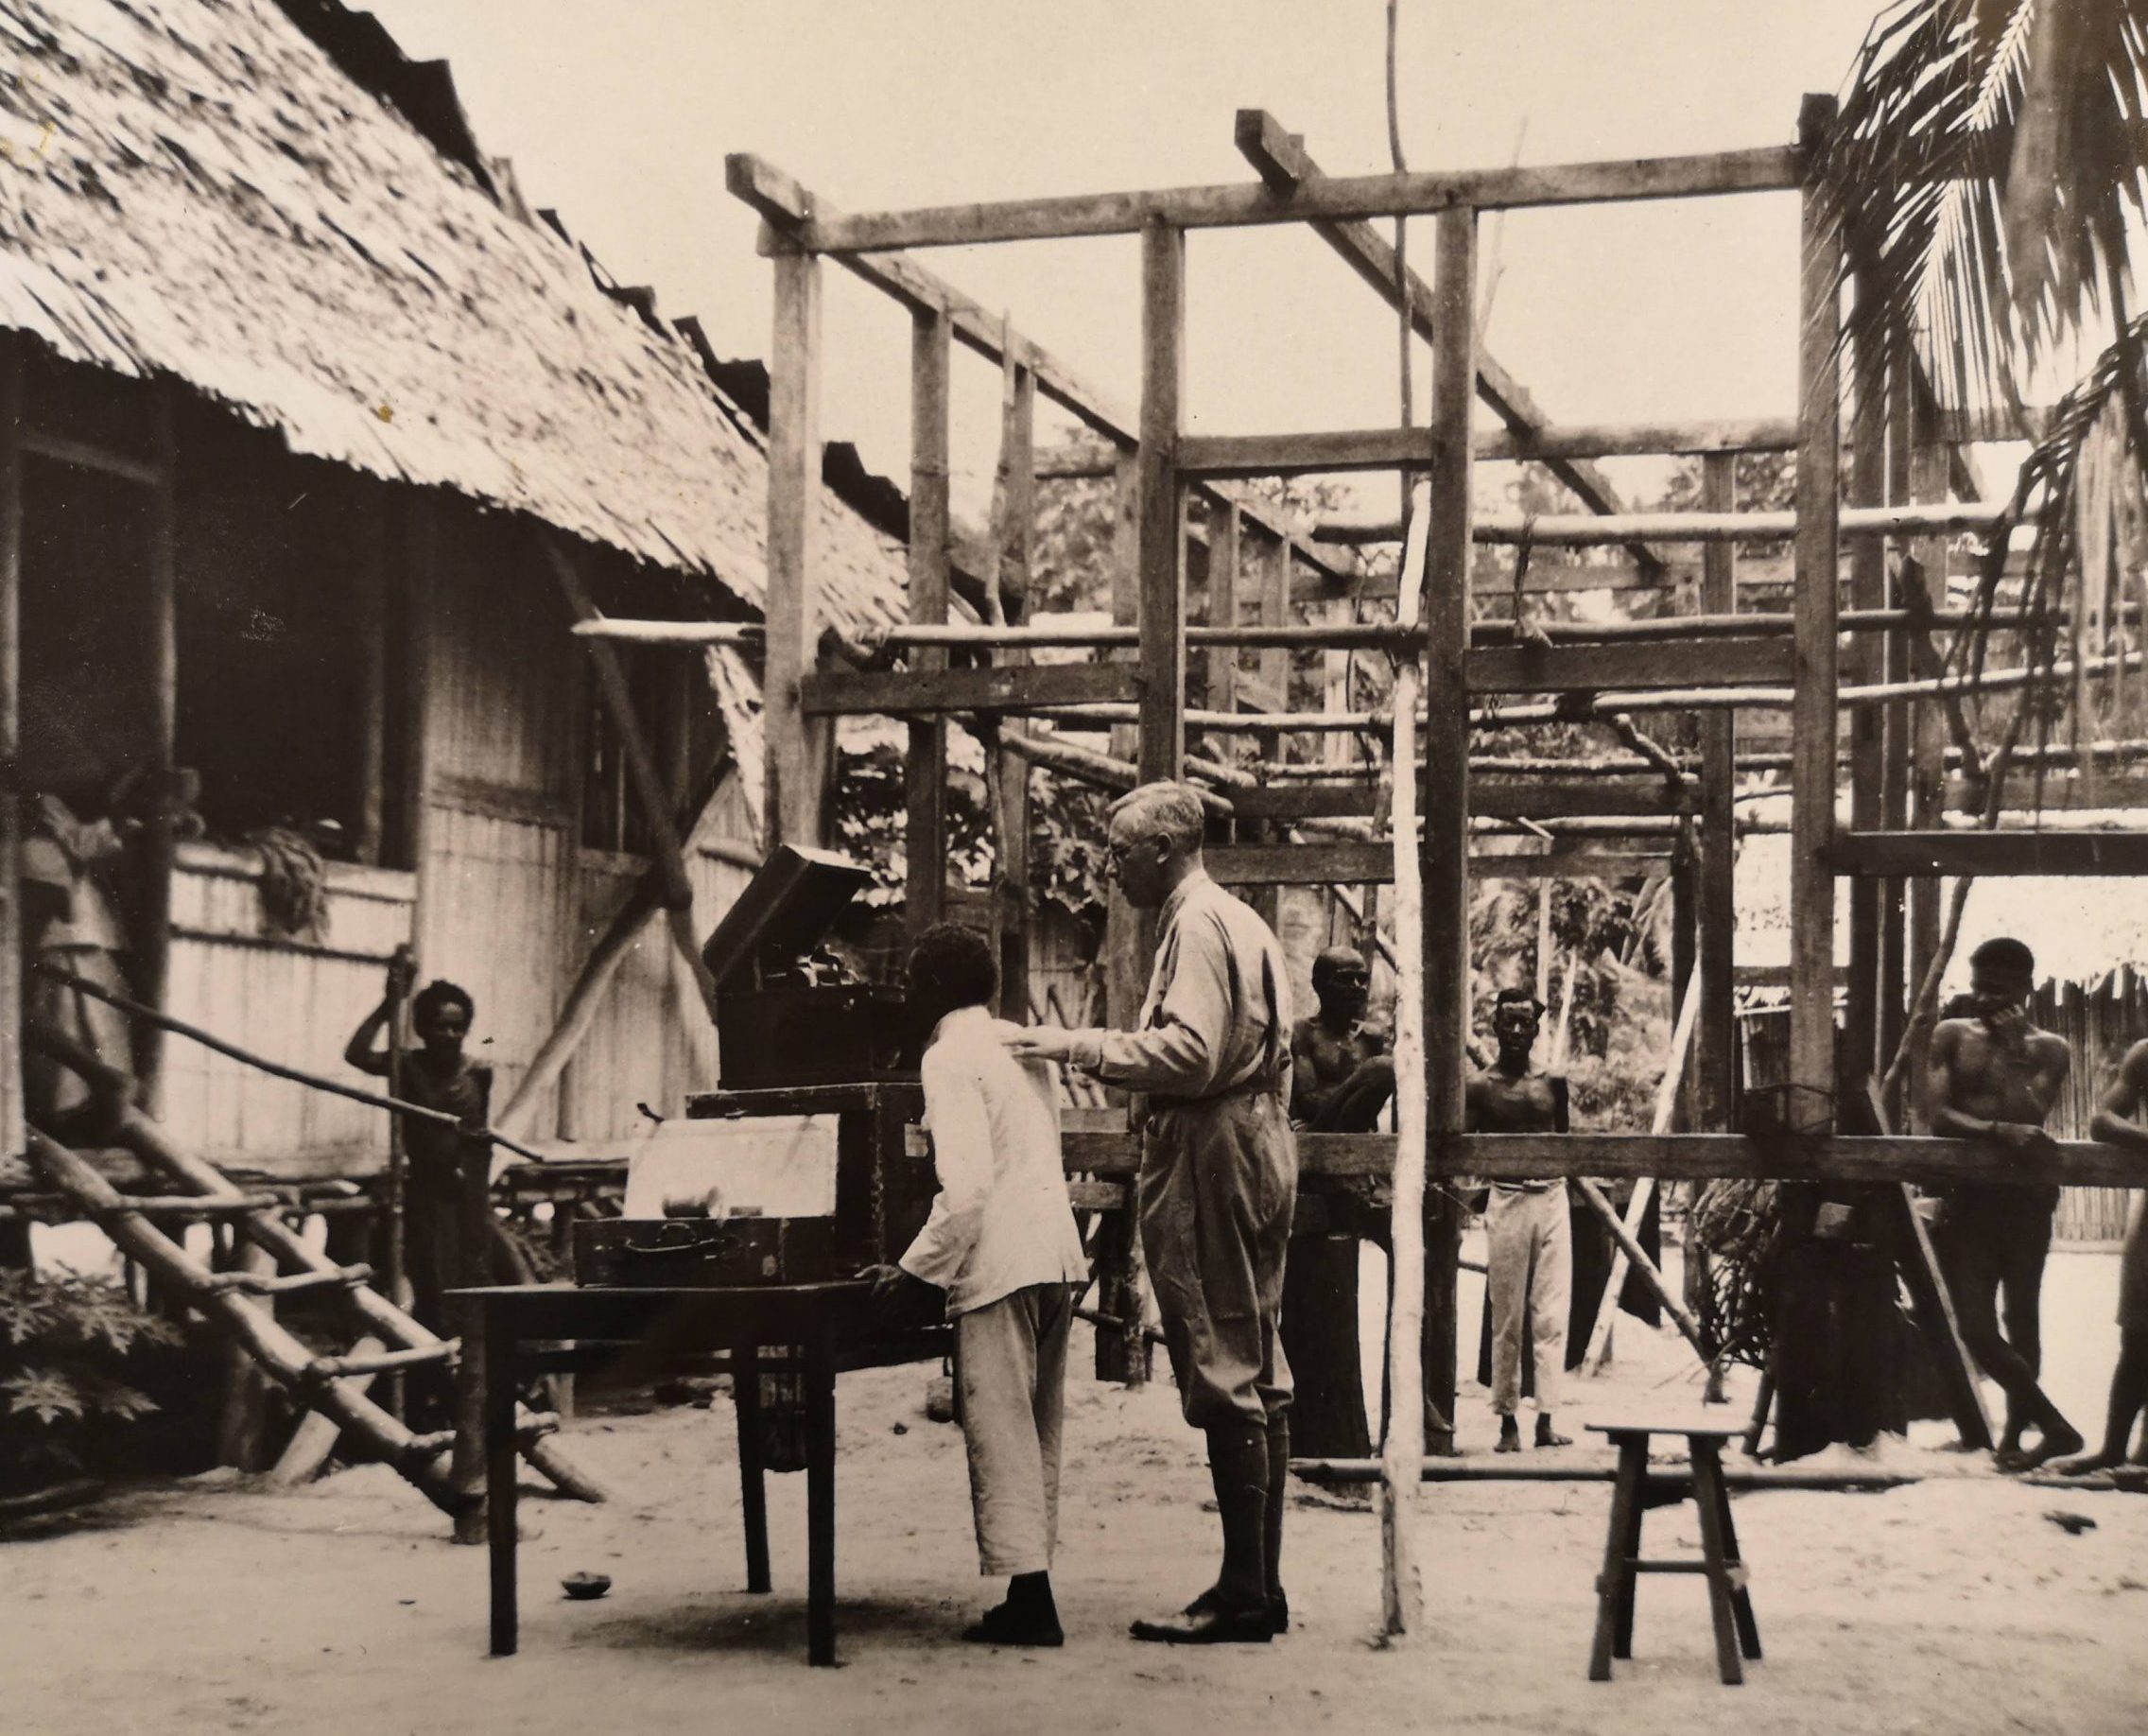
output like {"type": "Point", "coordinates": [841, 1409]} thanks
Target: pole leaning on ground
{"type": "Point", "coordinates": [1402, 1456]}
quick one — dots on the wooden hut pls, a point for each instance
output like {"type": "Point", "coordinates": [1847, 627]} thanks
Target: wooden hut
{"type": "Point", "coordinates": [309, 430]}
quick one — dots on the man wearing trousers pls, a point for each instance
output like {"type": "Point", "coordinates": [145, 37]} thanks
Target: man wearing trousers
{"type": "Point", "coordinates": [1528, 1236]}
{"type": "Point", "coordinates": [1218, 1183]}
{"type": "Point", "coordinates": [1001, 1244]}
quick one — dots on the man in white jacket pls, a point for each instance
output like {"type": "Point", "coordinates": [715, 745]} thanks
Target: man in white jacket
{"type": "Point", "coordinates": [1001, 1242]}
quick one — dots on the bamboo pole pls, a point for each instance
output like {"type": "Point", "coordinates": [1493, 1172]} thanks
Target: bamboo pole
{"type": "Point", "coordinates": [151, 926]}
{"type": "Point", "coordinates": [1402, 1591]}
{"type": "Point", "coordinates": [925, 769]}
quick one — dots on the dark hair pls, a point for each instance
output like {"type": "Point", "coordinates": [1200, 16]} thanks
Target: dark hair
{"type": "Point", "coordinates": [950, 967]}
{"type": "Point", "coordinates": [439, 994]}
{"type": "Point", "coordinates": [2007, 954]}
{"type": "Point", "coordinates": [1518, 998]}
{"type": "Point", "coordinates": [1333, 959]}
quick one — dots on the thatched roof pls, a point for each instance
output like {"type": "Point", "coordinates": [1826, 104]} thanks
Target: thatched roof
{"type": "Point", "coordinates": [200, 188]}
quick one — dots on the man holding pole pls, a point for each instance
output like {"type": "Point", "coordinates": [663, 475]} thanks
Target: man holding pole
{"type": "Point", "coordinates": [1218, 1183]}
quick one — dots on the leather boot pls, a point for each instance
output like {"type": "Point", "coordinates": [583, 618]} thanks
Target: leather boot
{"type": "Point", "coordinates": [1235, 1610]}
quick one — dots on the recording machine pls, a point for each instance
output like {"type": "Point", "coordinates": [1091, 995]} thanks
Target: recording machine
{"type": "Point", "coordinates": [807, 1164]}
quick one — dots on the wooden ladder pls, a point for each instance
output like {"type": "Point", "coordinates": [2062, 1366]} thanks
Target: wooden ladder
{"type": "Point", "coordinates": [334, 1386]}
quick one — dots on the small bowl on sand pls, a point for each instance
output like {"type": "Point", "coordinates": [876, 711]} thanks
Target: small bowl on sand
{"type": "Point", "coordinates": [586, 1585]}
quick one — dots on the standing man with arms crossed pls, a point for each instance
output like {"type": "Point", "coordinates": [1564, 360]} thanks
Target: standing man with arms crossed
{"type": "Point", "coordinates": [1001, 1244]}
{"type": "Point", "coordinates": [1992, 1078]}
{"type": "Point", "coordinates": [1218, 1181]}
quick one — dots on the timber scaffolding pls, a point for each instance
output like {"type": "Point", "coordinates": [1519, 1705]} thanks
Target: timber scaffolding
{"type": "Point", "coordinates": [1910, 485]}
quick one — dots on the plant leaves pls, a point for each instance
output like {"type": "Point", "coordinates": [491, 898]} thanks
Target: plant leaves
{"type": "Point", "coordinates": [44, 1393]}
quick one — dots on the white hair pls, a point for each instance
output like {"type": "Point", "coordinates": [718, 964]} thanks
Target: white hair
{"type": "Point", "coordinates": [1174, 810]}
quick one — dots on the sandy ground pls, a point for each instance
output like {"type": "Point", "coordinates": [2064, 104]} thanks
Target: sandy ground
{"type": "Point", "coordinates": [1950, 1607]}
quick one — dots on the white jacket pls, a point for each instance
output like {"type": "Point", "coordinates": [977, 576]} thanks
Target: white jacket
{"type": "Point", "coordinates": [1002, 1221]}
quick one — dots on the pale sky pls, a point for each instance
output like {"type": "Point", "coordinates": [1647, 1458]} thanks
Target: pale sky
{"type": "Point", "coordinates": [620, 115]}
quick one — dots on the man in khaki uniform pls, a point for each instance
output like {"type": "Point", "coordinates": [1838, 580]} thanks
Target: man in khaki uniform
{"type": "Point", "coordinates": [1218, 1180]}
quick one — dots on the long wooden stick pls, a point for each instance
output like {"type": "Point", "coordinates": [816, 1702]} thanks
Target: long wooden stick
{"type": "Point", "coordinates": [135, 1009]}
{"type": "Point", "coordinates": [1404, 1448]}
{"type": "Point", "coordinates": [1636, 1210]}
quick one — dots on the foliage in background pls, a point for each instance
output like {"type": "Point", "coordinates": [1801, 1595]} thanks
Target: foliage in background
{"type": "Point", "coordinates": [71, 1352]}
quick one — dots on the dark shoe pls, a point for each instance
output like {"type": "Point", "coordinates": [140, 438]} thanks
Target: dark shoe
{"type": "Point", "coordinates": [1001, 1625]}
{"type": "Point", "coordinates": [1510, 1441]}
{"type": "Point", "coordinates": [1278, 1609]}
{"type": "Point", "coordinates": [1213, 1626]}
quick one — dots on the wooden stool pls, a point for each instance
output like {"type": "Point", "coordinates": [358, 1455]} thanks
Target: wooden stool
{"type": "Point", "coordinates": [1729, 1603]}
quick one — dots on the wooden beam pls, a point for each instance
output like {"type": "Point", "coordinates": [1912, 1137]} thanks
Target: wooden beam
{"type": "Point", "coordinates": [1291, 455]}
{"type": "Point", "coordinates": [1559, 669]}
{"type": "Point", "coordinates": [1990, 854]}
{"type": "Point", "coordinates": [1576, 864]}
{"type": "Point", "coordinates": [783, 204]}
{"type": "Point", "coordinates": [1006, 686]}
{"type": "Point", "coordinates": [1640, 439]}
{"type": "Point", "coordinates": [1582, 531]}
{"type": "Point", "coordinates": [1557, 797]}
{"type": "Point", "coordinates": [1340, 862]}
{"type": "Point", "coordinates": [801, 750]}
{"type": "Point", "coordinates": [925, 767]}
{"type": "Point", "coordinates": [1771, 169]}
{"type": "Point", "coordinates": [1673, 1157]}
{"type": "Point", "coordinates": [1338, 451]}
{"type": "Point", "coordinates": [1813, 718]}
{"type": "Point", "coordinates": [1280, 159]}
{"type": "Point", "coordinates": [88, 455]}
{"type": "Point", "coordinates": [1895, 765]}
{"type": "Point", "coordinates": [1162, 751]}
{"type": "Point", "coordinates": [1219, 665]}
{"type": "Point", "coordinates": [1715, 899]}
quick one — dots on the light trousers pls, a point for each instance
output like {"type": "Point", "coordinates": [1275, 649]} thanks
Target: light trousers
{"type": "Point", "coordinates": [1530, 1275]}
{"type": "Point", "coordinates": [1011, 1373]}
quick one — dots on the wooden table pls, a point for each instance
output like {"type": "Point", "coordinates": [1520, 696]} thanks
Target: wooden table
{"type": "Point", "coordinates": [824, 1328]}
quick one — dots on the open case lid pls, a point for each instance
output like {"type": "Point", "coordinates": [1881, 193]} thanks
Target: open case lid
{"type": "Point", "coordinates": [786, 909]}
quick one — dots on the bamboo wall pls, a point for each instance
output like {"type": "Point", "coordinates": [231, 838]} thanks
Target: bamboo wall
{"type": "Point", "coordinates": [291, 999]}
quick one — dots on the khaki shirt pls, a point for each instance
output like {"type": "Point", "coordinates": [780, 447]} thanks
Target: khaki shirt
{"type": "Point", "coordinates": [1218, 1016]}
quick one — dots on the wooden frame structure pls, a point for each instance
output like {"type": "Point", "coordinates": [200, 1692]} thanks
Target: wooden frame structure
{"type": "Point", "coordinates": [1892, 851]}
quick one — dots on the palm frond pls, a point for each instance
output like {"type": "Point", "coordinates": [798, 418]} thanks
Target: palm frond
{"type": "Point", "coordinates": [1988, 159]}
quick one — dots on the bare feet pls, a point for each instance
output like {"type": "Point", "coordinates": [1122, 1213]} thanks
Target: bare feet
{"type": "Point", "coordinates": [1549, 1436]}
{"type": "Point", "coordinates": [2087, 1466]}
{"type": "Point", "coordinates": [2055, 1443]}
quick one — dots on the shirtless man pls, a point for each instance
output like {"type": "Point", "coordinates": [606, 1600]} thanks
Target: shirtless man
{"type": "Point", "coordinates": [1526, 1224]}
{"type": "Point", "coordinates": [2121, 1119]}
{"type": "Point", "coordinates": [1342, 1074]}
{"type": "Point", "coordinates": [1993, 1078]}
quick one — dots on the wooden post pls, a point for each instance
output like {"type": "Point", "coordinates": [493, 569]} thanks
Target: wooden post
{"type": "Point", "coordinates": [1010, 824]}
{"type": "Point", "coordinates": [801, 750]}
{"type": "Point", "coordinates": [11, 753]}
{"type": "Point", "coordinates": [1867, 747]}
{"type": "Point", "coordinates": [1402, 1451]}
{"type": "Point", "coordinates": [1928, 747]}
{"type": "Point", "coordinates": [1128, 947]}
{"type": "Point", "coordinates": [367, 509]}
{"type": "Point", "coordinates": [1894, 771]}
{"type": "Point", "coordinates": [1445, 840]}
{"type": "Point", "coordinates": [160, 830]}
{"type": "Point", "coordinates": [1684, 946]}
{"type": "Point", "coordinates": [1812, 717]}
{"type": "Point", "coordinates": [1222, 662]}
{"type": "Point", "coordinates": [925, 770]}
{"type": "Point", "coordinates": [1162, 749]}
{"type": "Point", "coordinates": [1715, 1040]}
